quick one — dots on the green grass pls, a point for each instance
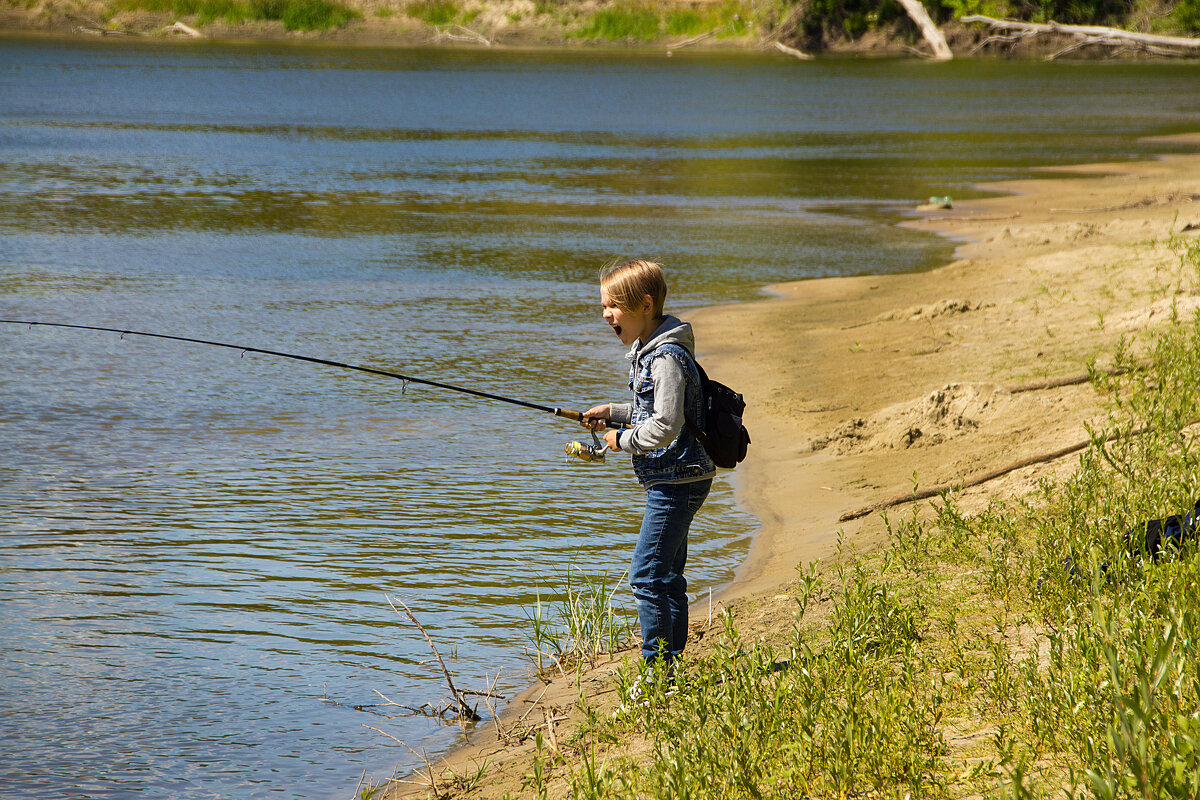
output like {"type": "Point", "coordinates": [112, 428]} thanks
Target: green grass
{"type": "Point", "coordinates": [632, 22]}
{"type": "Point", "coordinates": [684, 22]}
{"type": "Point", "coordinates": [621, 23]}
{"type": "Point", "coordinates": [296, 15]}
{"type": "Point", "coordinates": [1027, 650]}
{"type": "Point", "coordinates": [581, 626]}
{"type": "Point", "coordinates": [304, 15]}
{"type": "Point", "coordinates": [433, 12]}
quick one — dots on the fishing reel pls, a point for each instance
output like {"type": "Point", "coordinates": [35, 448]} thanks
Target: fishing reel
{"type": "Point", "coordinates": [591, 453]}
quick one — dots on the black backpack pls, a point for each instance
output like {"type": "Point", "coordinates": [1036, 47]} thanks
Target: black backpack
{"type": "Point", "coordinates": [723, 437]}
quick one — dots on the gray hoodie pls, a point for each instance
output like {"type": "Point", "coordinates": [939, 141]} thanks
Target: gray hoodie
{"type": "Point", "coordinates": [667, 419]}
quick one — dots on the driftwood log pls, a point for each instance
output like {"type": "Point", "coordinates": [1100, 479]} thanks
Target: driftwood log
{"type": "Point", "coordinates": [991, 475]}
{"type": "Point", "coordinates": [791, 51]}
{"type": "Point", "coordinates": [958, 486]}
{"type": "Point", "coordinates": [1087, 35]}
{"type": "Point", "coordinates": [186, 30]}
{"type": "Point", "coordinates": [458, 33]}
{"type": "Point", "coordinates": [929, 30]}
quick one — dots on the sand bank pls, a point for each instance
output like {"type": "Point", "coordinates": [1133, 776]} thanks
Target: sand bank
{"type": "Point", "coordinates": [859, 387]}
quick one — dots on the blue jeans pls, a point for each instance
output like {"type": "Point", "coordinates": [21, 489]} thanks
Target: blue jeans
{"type": "Point", "coordinates": [658, 561]}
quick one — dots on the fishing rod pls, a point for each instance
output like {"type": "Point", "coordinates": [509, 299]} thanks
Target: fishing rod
{"type": "Point", "coordinates": [594, 452]}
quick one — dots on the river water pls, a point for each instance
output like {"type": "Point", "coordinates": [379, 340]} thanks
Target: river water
{"type": "Point", "coordinates": [196, 546]}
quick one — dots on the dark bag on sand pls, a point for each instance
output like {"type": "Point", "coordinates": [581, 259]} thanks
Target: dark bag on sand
{"type": "Point", "coordinates": [1158, 536]}
{"type": "Point", "coordinates": [723, 436]}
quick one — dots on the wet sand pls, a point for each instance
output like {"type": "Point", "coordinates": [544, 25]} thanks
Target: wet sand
{"type": "Point", "coordinates": [861, 388]}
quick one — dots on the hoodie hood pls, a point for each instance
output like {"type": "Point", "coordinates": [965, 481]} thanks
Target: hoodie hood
{"type": "Point", "coordinates": [671, 330]}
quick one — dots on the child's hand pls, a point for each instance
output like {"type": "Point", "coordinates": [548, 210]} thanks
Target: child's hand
{"type": "Point", "coordinates": [610, 438]}
{"type": "Point", "coordinates": [594, 418]}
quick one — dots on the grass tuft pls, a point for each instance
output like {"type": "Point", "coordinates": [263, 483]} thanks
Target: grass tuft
{"type": "Point", "coordinates": [579, 628]}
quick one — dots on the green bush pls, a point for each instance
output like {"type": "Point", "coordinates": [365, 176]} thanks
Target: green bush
{"type": "Point", "coordinates": [850, 17]}
{"type": "Point", "coordinates": [1079, 12]}
{"type": "Point", "coordinates": [1187, 15]}
{"type": "Point", "coordinates": [946, 10]}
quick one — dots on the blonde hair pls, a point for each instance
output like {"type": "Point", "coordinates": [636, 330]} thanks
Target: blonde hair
{"type": "Point", "coordinates": [627, 283]}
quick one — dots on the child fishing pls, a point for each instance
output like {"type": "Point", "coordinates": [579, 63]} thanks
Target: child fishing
{"type": "Point", "coordinates": [668, 459]}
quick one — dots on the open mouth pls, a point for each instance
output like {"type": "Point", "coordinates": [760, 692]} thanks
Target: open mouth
{"type": "Point", "coordinates": [617, 329]}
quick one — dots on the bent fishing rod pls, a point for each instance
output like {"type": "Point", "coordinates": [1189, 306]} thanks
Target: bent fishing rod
{"type": "Point", "coordinates": [584, 452]}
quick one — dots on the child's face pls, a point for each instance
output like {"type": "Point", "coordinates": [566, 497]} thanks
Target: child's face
{"type": "Point", "coordinates": [629, 325]}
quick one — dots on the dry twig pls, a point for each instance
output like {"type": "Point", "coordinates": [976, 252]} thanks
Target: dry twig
{"type": "Point", "coordinates": [487, 699]}
{"type": "Point", "coordinates": [464, 710]}
{"type": "Point", "coordinates": [550, 735]}
{"type": "Point", "coordinates": [532, 707]}
{"type": "Point", "coordinates": [432, 780]}
{"type": "Point", "coordinates": [360, 782]}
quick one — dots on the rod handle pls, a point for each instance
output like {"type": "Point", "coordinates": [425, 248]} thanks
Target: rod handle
{"type": "Point", "coordinates": [578, 417]}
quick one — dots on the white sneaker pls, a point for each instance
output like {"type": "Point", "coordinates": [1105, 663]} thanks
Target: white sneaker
{"type": "Point", "coordinates": [640, 694]}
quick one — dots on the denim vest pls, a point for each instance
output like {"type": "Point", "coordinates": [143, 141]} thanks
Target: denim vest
{"type": "Point", "coordinates": [684, 459]}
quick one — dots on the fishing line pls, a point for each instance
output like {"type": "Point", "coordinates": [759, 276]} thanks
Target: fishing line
{"type": "Point", "coordinates": [407, 379]}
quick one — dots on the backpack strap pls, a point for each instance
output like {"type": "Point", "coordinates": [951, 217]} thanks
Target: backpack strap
{"type": "Point", "coordinates": [692, 426]}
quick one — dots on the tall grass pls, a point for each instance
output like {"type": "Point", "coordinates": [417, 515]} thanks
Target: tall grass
{"type": "Point", "coordinates": [296, 15]}
{"type": "Point", "coordinates": [639, 22]}
{"type": "Point", "coordinates": [581, 626]}
{"type": "Point", "coordinates": [433, 12]}
{"type": "Point", "coordinates": [630, 22]}
{"type": "Point", "coordinates": [1028, 650]}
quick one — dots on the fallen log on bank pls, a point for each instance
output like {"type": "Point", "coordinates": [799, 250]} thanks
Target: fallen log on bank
{"type": "Point", "coordinates": [1087, 35]}
{"type": "Point", "coordinates": [917, 13]}
{"type": "Point", "coordinates": [958, 486]}
{"type": "Point", "coordinates": [791, 51]}
{"type": "Point", "coordinates": [459, 33]}
{"type": "Point", "coordinates": [186, 30]}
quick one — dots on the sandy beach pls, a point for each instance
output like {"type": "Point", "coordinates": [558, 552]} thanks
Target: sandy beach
{"type": "Point", "coordinates": [864, 387]}
{"type": "Point", "coordinates": [861, 388]}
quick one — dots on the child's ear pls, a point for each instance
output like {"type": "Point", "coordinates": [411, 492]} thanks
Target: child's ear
{"type": "Point", "coordinates": [647, 304]}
